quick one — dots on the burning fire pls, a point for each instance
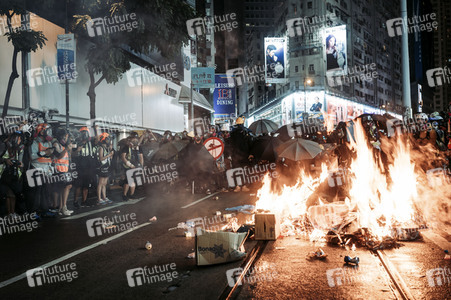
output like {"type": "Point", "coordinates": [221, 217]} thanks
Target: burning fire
{"type": "Point", "coordinates": [380, 198]}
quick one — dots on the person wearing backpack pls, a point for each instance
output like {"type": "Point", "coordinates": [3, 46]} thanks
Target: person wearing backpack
{"type": "Point", "coordinates": [105, 155]}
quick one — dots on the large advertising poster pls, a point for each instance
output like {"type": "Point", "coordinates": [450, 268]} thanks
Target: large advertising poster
{"type": "Point", "coordinates": [224, 96]}
{"type": "Point", "coordinates": [336, 109]}
{"type": "Point", "coordinates": [334, 41]}
{"type": "Point", "coordinates": [312, 103]}
{"type": "Point", "coordinates": [275, 60]}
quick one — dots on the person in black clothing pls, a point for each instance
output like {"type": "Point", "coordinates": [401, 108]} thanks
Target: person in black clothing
{"type": "Point", "coordinates": [132, 157]}
{"type": "Point", "coordinates": [86, 162]}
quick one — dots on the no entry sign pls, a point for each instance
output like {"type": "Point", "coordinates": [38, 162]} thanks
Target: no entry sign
{"type": "Point", "coordinates": [215, 146]}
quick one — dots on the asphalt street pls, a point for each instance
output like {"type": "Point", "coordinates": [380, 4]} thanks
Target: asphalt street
{"type": "Point", "coordinates": [101, 262]}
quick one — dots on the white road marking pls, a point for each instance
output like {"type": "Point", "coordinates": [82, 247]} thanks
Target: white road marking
{"type": "Point", "coordinates": [437, 239]}
{"type": "Point", "coordinates": [107, 207]}
{"type": "Point", "coordinates": [200, 200]}
{"type": "Point", "coordinates": [65, 257]}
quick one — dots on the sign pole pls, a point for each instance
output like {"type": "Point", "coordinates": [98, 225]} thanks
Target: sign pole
{"type": "Point", "coordinates": [192, 105]}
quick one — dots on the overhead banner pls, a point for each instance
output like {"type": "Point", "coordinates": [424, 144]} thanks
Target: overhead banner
{"type": "Point", "coordinates": [224, 96]}
{"type": "Point", "coordinates": [275, 60]}
{"type": "Point", "coordinates": [203, 77]}
{"type": "Point", "coordinates": [334, 41]}
{"type": "Point", "coordinates": [66, 56]}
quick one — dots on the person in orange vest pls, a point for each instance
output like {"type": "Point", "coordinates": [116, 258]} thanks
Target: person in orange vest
{"type": "Point", "coordinates": [41, 169]}
{"type": "Point", "coordinates": [61, 161]}
{"type": "Point", "coordinates": [105, 155]}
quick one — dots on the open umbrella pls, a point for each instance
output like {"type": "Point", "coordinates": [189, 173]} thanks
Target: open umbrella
{"type": "Point", "coordinates": [299, 149]}
{"type": "Point", "coordinates": [165, 152]}
{"type": "Point", "coordinates": [263, 126]}
{"type": "Point", "coordinates": [149, 149]}
{"type": "Point", "coordinates": [264, 148]}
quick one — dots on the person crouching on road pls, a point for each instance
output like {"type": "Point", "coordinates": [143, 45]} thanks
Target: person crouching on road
{"type": "Point", "coordinates": [105, 153]}
{"type": "Point", "coordinates": [61, 161]}
{"type": "Point", "coordinates": [131, 157]}
{"type": "Point", "coordinates": [41, 164]}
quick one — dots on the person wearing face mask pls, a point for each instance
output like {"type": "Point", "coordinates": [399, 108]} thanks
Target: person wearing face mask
{"type": "Point", "coordinates": [105, 155]}
{"type": "Point", "coordinates": [41, 158]}
{"type": "Point", "coordinates": [11, 169]}
{"type": "Point", "coordinates": [85, 158]}
{"type": "Point", "coordinates": [61, 160]}
{"type": "Point", "coordinates": [132, 157]}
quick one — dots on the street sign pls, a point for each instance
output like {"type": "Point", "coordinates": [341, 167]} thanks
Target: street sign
{"type": "Point", "coordinates": [203, 77]}
{"type": "Point", "coordinates": [215, 146]}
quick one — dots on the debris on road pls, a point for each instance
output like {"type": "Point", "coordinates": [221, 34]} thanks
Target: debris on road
{"type": "Point", "coordinates": [318, 254]}
{"type": "Point", "coordinates": [350, 260]}
{"type": "Point", "coordinates": [148, 245]}
{"type": "Point", "coordinates": [247, 209]}
{"type": "Point", "coordinates": [219, 247]}
{"type": "Point", "coordinates": [447, 255]}
{"type": "Point", "coordinates": [153, 219]}
{"type": "Point", "coordinates": [191, 255]}
{"type": "Point", "coordinates": [115, 211]}
{"type": "Point", "coordinates": [218, 213]}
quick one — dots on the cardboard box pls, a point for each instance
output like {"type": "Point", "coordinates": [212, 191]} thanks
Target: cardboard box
{"type": "Point", "coordinates": [267, 227]}
{"type": "Point", "coordinates": [219, 247]}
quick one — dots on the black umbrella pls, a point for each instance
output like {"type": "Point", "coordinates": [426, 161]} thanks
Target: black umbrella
{"type": "Point", "coordinates": [198, 159]}
{"type": "Point", "coordinates": [299, 149]}
{"type": "Point", "coordinates": [149, 149]}
{"type": "Point", "coordinates": [165, 152]}
{"type": "Point", "coordinates": [263, 126]}
{"type": "Point", "coordinates": [289, 131]}
{"type": "Point", "coordinates": [264, 148]}
{"type": "Point", "coordinates": [180, 144]}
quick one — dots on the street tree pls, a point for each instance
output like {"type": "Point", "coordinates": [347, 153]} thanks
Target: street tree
{"type": "Point", "coordinates": [23, 38]}
{"type": "Point", "coordinates": [156, 26]}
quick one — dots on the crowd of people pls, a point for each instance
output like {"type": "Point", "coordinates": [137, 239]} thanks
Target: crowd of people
{"type": "Point", "coordinates": [40, 170]}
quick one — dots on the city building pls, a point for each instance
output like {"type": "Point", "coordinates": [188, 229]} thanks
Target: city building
{"type": "Point", "coordinates": [367, 50]}
{"type": "Point", "coordinates": [442, 52]}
